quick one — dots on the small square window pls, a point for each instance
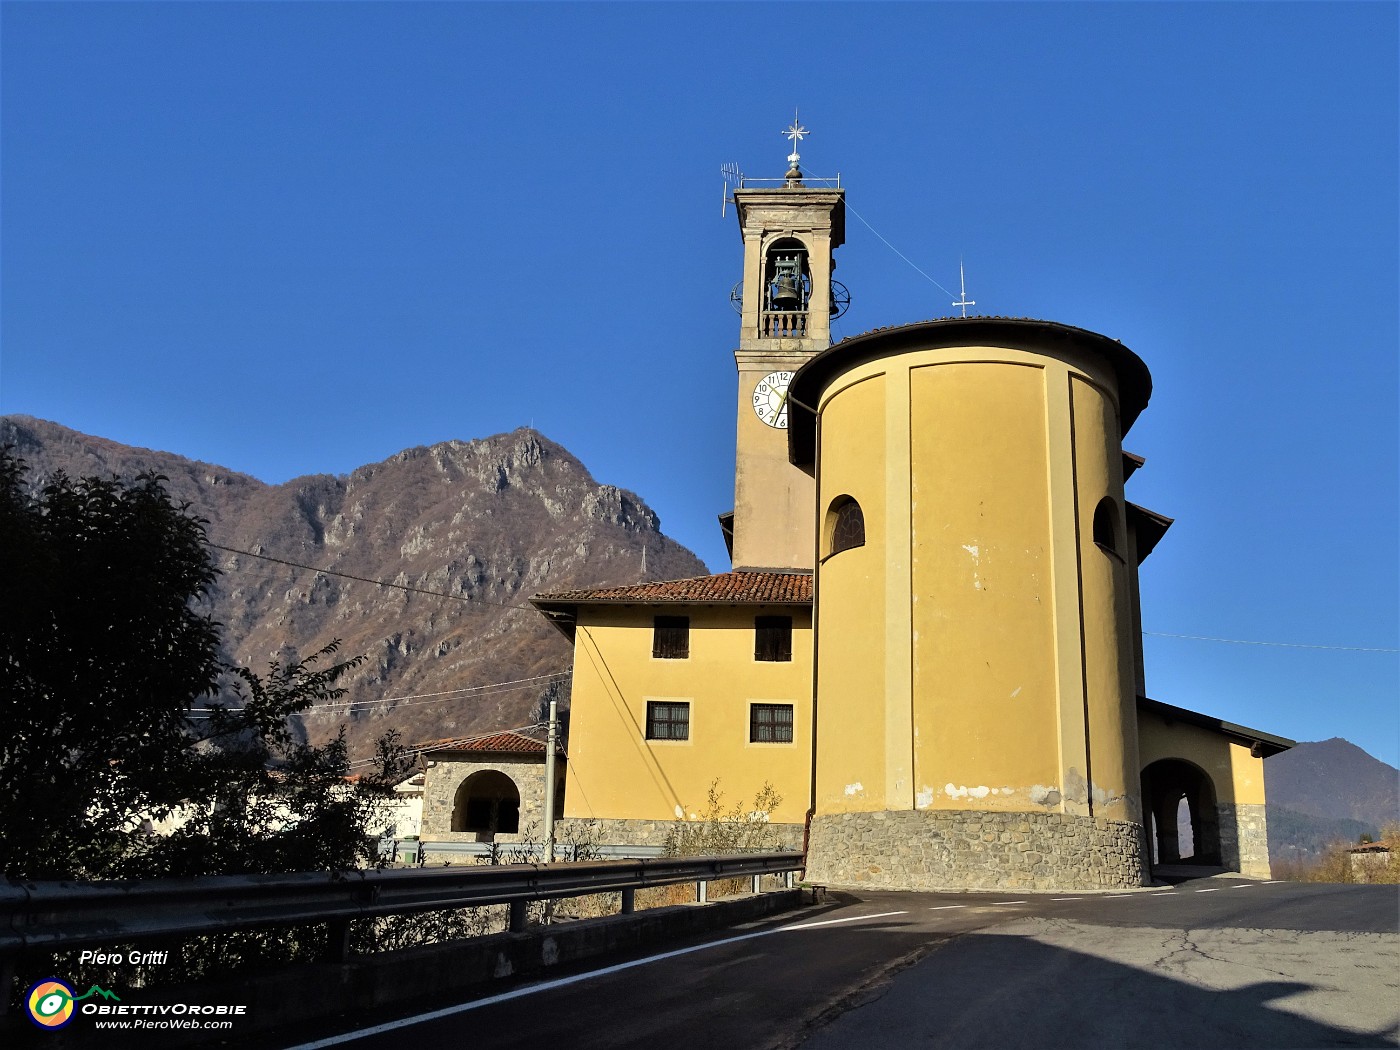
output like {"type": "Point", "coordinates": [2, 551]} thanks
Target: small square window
{"type": "Point", "coordinates": [670, 639]}
{"type": "Point", "coordinates": [770, 723]}
{"type": "Point", "coordinates": [668, 720]}
{"type": "Point", "coordinates": [772, 638]}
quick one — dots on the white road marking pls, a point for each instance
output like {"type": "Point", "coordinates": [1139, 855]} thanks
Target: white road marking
{"type": "Point", "coordinates": [1112, 895]}
{"type": "Point", "coordinates": [1066, 898]}
{"type": "Point", "coordinates": [1245, 886]}
{"type": "Point", "coordinates": [1274, 882]}
{"type": "Point", "coordinates": [561, 982]}
{"type": "Point", "coordinates": [1213, 889]}
{"type": "Point", "coordinates": [805, 926]}
{"type": "Point", "coordinates": [945, 907]}
{"type": "Point", "coordinates": [1010, 902]}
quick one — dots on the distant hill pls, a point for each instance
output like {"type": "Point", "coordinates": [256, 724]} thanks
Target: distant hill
{"type": "Point", "coordinates": [1324, 792]}
{"type": "Point", "coordinates": [492, 520]}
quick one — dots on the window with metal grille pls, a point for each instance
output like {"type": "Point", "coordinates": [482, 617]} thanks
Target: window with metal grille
{"type": "Point", "coordinates": [845, 523]}
{"type": "Point", "coordinates": [770, 723]}
{"type": "Point", "coordinates": [670, 639]}
{"type": "Point", "coordinates": [668, 720]}
{"type": "Point", "coordinates": [772, 638]}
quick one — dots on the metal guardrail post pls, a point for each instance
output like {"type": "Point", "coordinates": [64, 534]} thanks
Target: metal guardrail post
{"type": "Point", "coordinates": [787, 880]}
{"type": "Point", "coordinates": [629, 901]}
{"type": "Point", "coordinates": [702, 891]}
{"type": "Point", "coordinates": [517, 916]}
{"type": "Point", "coordinates": [756, 880]}
{"type": "Point", "coordinates": [338, 940]}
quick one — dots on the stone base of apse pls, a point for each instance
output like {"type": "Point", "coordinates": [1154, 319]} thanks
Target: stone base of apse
{"type": "Point", "coordinates": [614, 831]}
{"type": "Point", "coordinates": [974, 850]}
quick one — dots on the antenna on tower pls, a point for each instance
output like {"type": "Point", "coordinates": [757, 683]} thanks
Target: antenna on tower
{"type": "Point", "coordinates": [733, 178]}
{"type": "Point", "coordinates": [963, 300]}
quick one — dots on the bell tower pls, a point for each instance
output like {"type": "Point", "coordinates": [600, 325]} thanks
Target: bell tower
{"type": "Point", "coordinates": [787, 299]}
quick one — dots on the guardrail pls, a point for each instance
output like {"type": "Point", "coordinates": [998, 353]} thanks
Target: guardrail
{"type": "Point", "coordinates": [435, 852]}
{"type": "Point", "coordinates": [54, 916]}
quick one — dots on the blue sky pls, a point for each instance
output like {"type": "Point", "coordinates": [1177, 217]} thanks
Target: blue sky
{"type": "Point", "coordinates": [295, 238]}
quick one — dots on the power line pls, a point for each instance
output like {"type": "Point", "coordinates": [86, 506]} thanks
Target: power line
{"type": "Point", "coordinates": [465, 693]}
{"type": "Point", "coordinates": [366, 579]}
{"type": "Point", "coordinates": [892, 248]}
{"type": "Point", "coordinates": [465, 688]}
{"type": "Point", "coordinates": [1284, 645]}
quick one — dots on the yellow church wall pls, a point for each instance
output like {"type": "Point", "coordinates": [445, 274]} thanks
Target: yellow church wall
{"type": "Point", "coordinates": [614, 772]}
{"type": "Point", "coordinates": [854, 773]}
{"type": "Point", "coordinates": [980, 510]}
{"type": "Point", "coordinates": [980, 585]}
{"type": "Point", "coordinates": [1106, 606]}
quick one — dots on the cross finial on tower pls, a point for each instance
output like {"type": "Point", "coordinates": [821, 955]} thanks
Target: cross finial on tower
{"type": "Point", "coordinates": [796, 133]}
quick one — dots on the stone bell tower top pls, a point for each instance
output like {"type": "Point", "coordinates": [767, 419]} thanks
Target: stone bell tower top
{"type": "Point", "coordinates": [790, 229]}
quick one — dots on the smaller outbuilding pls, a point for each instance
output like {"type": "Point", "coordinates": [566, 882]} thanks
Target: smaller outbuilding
{"type": "Point", "coordinates": [487, 788]}
{"type": "Point", "coordinates": [1371, 862]}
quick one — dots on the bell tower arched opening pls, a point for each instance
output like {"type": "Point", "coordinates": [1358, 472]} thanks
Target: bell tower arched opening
{"type": "Point", "coordinates": [488, 803]}
{"type": "Point", "coordinates": [1185, 823]}
{"type": "Point", "coordinates": [787, 289]}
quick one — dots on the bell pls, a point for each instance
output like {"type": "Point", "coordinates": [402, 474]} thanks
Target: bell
{"type": "Point", "coordinates": [787, 293]}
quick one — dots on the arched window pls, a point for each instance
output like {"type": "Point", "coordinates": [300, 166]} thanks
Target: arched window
{"type": "Point", "coordinates": [1106, 525]}
{"type": "Point", "coordinates": [487, 801]}
{"type": "Point", "coordinates": [845, 526]}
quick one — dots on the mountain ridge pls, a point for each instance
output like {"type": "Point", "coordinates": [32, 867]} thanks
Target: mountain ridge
{"type": "Point", "coordinates": [484, 522]}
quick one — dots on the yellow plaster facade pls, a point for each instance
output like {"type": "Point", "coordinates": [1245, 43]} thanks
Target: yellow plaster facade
{"type": "Point", "coordinates": [615, 772]}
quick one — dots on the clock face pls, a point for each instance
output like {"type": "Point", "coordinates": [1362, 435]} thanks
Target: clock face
{"type": "Point", "coordinates": [770, 399]}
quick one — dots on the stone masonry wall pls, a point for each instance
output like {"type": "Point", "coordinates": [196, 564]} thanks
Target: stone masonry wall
{"type": "Point", "coordinates": [445, 775]}
{"type": "Point", "coordinates": [974, 850]}
{"type": "Point", "coordinates": [1244, 839]}
{"type": "Point", "coordinates": [614, 832]}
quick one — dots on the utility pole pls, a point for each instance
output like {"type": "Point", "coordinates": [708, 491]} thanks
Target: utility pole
{"type": "Point", "coordinates": [549, 782]}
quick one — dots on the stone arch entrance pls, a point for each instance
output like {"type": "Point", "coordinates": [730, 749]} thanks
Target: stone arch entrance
{"type": "Point", "coordinates": [487, 802]}
{"type": "Point", "coordinates": [1167, 784]}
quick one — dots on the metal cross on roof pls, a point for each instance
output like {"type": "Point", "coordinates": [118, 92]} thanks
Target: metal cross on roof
{"type": "Point", "coordinates": [796, 133]}
{"type": "Point", "coordinates": [963, 300]}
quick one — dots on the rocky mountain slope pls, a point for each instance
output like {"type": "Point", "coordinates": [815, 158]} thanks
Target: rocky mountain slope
{"type": "Point", "coordinates": [488, 522]}
{"type": "Point", "coordinates": [1327, 791]}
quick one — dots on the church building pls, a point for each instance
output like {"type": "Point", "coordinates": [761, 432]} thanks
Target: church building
{"type": "Point", "coordinates": [930, 643]}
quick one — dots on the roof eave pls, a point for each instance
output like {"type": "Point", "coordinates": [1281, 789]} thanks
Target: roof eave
{"type": "Point", "coordinates": [1268, 743]}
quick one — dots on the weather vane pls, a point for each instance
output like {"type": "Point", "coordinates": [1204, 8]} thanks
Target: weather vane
{"type": "Point", "coordinates": [796, 133]}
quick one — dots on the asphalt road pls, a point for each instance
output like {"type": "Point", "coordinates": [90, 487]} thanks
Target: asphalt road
{"type": "Point", "coordinates": [1212, 963]}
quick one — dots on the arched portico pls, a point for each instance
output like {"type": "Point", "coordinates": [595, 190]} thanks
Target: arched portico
{"type": "Point", "coordinates": [1166, 783]}
{"type": "Point", "coordinates": [487, 802]}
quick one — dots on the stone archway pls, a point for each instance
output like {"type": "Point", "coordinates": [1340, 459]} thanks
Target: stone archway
{"type": "Point", "coordinates": [487, 802]}
{"type": "Point", "coordinates": [1170, 785]}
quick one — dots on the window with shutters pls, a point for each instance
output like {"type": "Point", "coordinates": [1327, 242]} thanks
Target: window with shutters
{"type": "Point", "coordinates": [772, 638]}
{"type": "Point", "coordinates": [770, 723]}
{"type": "Point", "coordinates": [670, 639]}
{"type": "Point", "coordinates": [668, 720]}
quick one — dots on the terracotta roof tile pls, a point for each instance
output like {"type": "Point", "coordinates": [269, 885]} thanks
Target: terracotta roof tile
{"type": "Point", "coordinates": [509, 742]}
{"type": "Point", "coordinates": [747, 588]}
